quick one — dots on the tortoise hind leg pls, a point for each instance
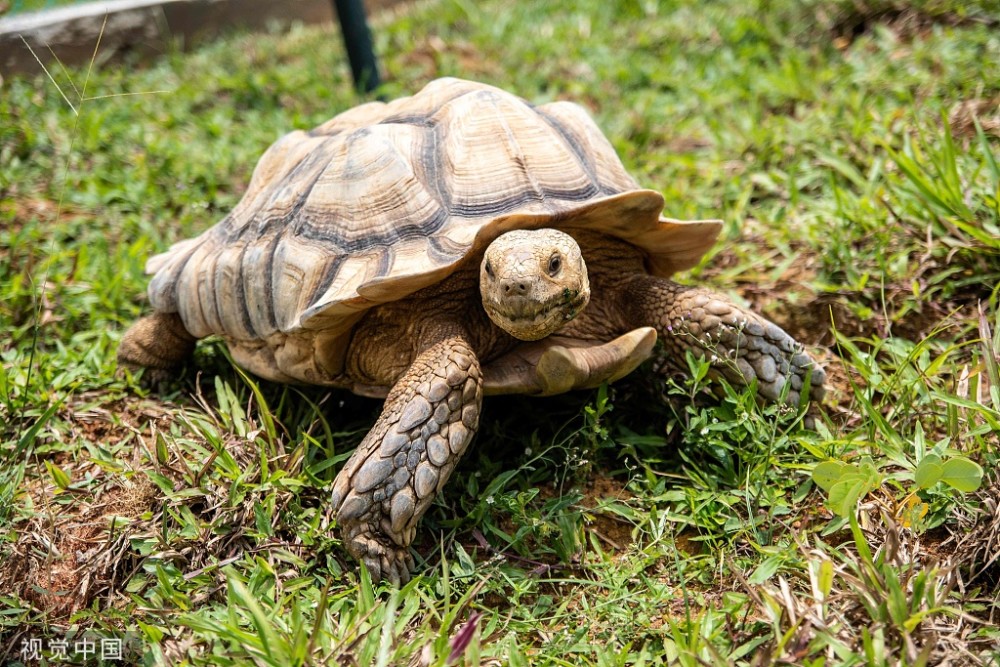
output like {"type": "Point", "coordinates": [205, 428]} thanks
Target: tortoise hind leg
{"type": "Point", "coordinates": [157, 342]}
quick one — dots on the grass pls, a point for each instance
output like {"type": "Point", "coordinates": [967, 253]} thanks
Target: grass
{"type": "Point", "coordinates": [851, 148]}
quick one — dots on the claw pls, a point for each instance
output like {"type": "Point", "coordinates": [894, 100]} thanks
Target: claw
{"type": "Point", "coordinates": [374, 568]}
{"type": "Point", "coordinates": [384, 561]}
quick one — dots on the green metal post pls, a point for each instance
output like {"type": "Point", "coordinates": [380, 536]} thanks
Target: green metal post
{"type": "Point", "coordinates": [358, 42]}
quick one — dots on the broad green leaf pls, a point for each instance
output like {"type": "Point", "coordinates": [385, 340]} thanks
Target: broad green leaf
{"type": "Point", "coordinates": [765, 570]}
{"type": "Point", "coordinates": [845, 494]}
{"type": "Point", "coordinates": [828, 473]}
{"type": "Point", "coordinates": [869, 474]}
{"type": "Point", "coordinates": [928, 472]}
{"type": "Point", "coordinates": [162, 453]}
{"type": "Point", "coordinates": [962, 474]}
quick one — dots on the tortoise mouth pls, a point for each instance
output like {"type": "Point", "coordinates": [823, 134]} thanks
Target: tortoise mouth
{"type": "Point", "coordinates": [531, 319]}
{"type": "Point", "coordinates": [520, 309]}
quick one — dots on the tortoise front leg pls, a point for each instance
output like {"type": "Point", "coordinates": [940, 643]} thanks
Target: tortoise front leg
{"type": "Point", "coordinates": [743, 346]}
{"type": "Point", "coordinates": [426, 425]}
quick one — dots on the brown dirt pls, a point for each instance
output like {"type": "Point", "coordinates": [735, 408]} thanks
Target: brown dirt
{"type": "Point", "coordinates": [84, 556]}
{"type": "Point", "coordinates": [68, 550]}
{"type": "Point", "coordinates": [111, 423]}
{"type": "Point", "coordinates": [23, 209]}
{"type": "Point", "coordinates": [613, 531]}
{"type": "Point", "coordinates": [813, 318]}
{"type": "Point", "coordinates": [22, 260]}
{"type": "Point", "coordinates": [973, 541]}
{"type": "Point", "coordinates": [965, 114]}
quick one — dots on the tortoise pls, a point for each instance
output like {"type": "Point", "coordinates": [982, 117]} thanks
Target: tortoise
{"type": "Point", "coordinates": [457, 243]}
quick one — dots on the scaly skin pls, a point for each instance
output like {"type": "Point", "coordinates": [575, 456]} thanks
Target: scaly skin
{"type": "Point", "coordinates": [426, 425]}
{"type": "Point", "coordinates": [742, 345]}
{"type": "Point", "coordinates": [533, 281]}
{"type": "Point", "coordinates": [158, 343]}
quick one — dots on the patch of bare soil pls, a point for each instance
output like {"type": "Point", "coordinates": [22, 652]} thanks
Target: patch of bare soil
{"type": "Point", "coordinates": [114, 422]}
{"type": "Point", "coordinates": [68, 555]}
{"type": "Point", "coordinates": [813, 319]}
{"type": "Point", "coordinates": [74, 544]}
{"type": "Point", "coordinates": [966, 114]}
{"type": "Point", "coordinates": [816, 319]}
{"type": "Point", "coordinates": [973, 541]}
{"type": "Point", "coordinates": [15, 213]}
{"type": "Point", "coordinates": [614, 531]}
{"type": "Point", "coordinates": [20, 210]}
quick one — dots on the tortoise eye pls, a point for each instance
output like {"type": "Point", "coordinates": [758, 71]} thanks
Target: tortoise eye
{"type": "Point", "coordinates": [489, 269]}
{"type": "Point", "coordinates": [555, 263]}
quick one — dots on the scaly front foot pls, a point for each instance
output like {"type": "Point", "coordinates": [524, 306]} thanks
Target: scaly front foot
{"type": "Point", "coordinates": [426, 425]}
{"type": "Point", "coordinates": [741, 345]}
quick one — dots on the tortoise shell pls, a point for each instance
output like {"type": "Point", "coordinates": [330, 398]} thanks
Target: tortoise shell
{"type": "Point", "coordinates": [388, 198]}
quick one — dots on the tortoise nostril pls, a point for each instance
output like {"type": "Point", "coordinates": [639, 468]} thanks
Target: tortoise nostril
{"type": "Point", "coordinates": [514, 286]}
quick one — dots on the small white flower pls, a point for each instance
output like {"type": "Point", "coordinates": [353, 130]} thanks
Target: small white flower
{"type": "Point", "coordinates": [527, 451]}
{"type": "Point", "coordinates": [489, 500]}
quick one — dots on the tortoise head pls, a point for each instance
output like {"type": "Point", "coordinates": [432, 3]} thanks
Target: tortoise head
{"type": "Point", "coordinates": [533, 282]}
